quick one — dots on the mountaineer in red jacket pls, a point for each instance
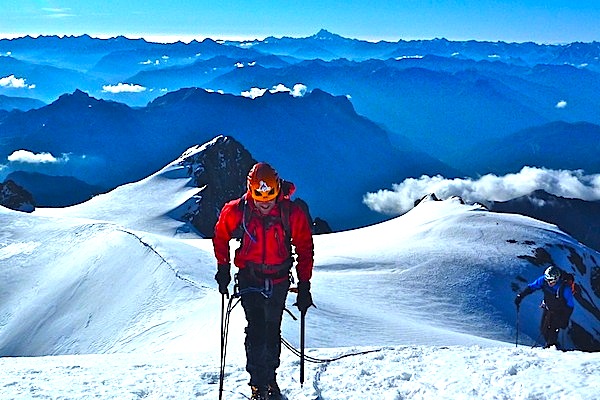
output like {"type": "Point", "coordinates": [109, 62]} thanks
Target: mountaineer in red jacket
{"type": "Point", "coordinates": [268, 224]}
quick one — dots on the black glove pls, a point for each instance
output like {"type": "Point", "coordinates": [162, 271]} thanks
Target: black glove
{"type": "Point", "coordinates": [223, 277]}
{"type": "Point", "coordinates": [518, 300]}
{"type": "Point", "coordinates": [522, 295]}
{"type": "Point", "coordinates": [304, 299]}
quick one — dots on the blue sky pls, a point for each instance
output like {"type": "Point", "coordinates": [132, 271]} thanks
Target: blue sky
{"type": "Point", "coordinates": [549, 21]}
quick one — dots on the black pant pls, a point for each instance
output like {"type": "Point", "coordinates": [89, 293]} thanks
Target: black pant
{"type": "Point", "coordinates": [263, 333]}
{"type": "Point", "coordinates": [552, 321]}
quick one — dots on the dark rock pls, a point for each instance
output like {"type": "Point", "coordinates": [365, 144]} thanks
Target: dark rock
{"type": "Point", "coordinates": [15, 197]}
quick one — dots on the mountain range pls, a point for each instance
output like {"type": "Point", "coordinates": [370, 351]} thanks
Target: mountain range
{"type": "Point", "coordinates": [369, 113]}
{"type": "Point", "coordinates": [317, 141]}
{"type": "Point", "coordinates": [556, 145]}
{"type": "Point", "coordinates": [438, 93]}
{"type": "Point", "coordinates": [54, 191]}
{"type": "Point", "coordinates": [579, 218]}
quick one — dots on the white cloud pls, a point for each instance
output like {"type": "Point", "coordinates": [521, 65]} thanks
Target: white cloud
{"type": "Point", "coordinates": [298, 90]}
{"type": "Point", "coordinates": [150, 62]}
{"type": "Point", "coordinates": [254, 93]}
{"type": "Point", "coordinates": [241, 64]}
{"type": "Point", "coordinates": [162, 60]}
{"type": "Point", "coordinates": [409, 57]}
{"type": "Point", "coordinates": [123, 88]}
{"type": "Point", "coordinates": [280, 88]}
{"type": "Point", "coordinates": [15, 83]}
{"type": "Point", "coordinates": [26, 156]}
{"type": "Point", "coordinates": [571, 184]}
{"type": "Point", "coordinates": [561, 104]}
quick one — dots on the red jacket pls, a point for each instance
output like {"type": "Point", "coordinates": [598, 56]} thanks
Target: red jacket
{"type": "Point", "coordinates": [264, 236]}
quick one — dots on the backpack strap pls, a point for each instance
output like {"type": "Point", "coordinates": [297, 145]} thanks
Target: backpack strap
{"type": "Point", "coordinates": [284, 208]}
{"type": "Point", "coordinates": [238, 233]}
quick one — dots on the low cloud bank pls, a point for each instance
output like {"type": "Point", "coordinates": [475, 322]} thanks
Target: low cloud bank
{"type": "Point", "coordinates": [26, 156]}
{"type": "Point", "coordinates": [91, 169]}
{"type": "Point", "coordinates": [298, 90]}
{"type": "Point", "coordinates": [25, 160]}
{"type": "Point", "coordinates": [15, 83]}
{"type": "Point", "coordinates": [564, 183]}
{"type": "Point", "coordinates": [123, 88]}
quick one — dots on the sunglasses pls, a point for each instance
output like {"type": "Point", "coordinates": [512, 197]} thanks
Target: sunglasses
{"type": "Point", "coordinates": [259, 194]}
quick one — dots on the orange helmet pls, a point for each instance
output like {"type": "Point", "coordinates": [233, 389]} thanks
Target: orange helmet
{"type": "Point", "coordinates": [263, 182]}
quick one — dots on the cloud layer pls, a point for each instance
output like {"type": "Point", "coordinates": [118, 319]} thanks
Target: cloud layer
{"type": "Point", "coordinates": [123, 88]}
{"type": "Point", "coordinates": [570, 184]}
{"type": "Point", "coordinates": [16, 83]}
{"type": "Point", "coordinates": [26, 156]}
{"type": "Point", "coordinates": [298, 90]}
{"type": "Point", "coordinates": [81, 166]}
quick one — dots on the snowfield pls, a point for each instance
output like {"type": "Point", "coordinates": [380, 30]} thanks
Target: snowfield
{"type": "Point", "coordinates": [114, 299]}
{"type": "Point", "coordinates": [391, 373]}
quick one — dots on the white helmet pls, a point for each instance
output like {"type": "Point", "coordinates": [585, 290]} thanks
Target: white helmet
{"type": "Point", "coordinates": [552, 274]}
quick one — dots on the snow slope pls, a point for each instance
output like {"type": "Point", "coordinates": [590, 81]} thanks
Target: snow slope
{"type": "Point", "coordinates": [113, 299]}
{"type": "Point", "coordinates": [391, 373]}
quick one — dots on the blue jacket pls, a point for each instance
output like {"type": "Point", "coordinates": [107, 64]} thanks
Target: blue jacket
{"type": "Point", "coordinates": [554, 296]}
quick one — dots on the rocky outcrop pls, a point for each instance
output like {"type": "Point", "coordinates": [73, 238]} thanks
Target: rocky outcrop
{"type": "Point", "coordinates": [219, 168]}
{"type": "Point", "coordinates": [15, 197]}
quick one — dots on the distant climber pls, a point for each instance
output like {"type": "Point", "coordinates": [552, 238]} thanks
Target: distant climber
{"type": "Point", "coordinates": [557, 305]}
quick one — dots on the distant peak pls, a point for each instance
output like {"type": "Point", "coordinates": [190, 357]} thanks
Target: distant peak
{"type": "Point", "coordinates": [77, 94]}
{"type": "Point", "coordinates": [324, 34]}
{"type": "Point", "coordinates": [80, 93]}
{"type": "Point", "coordinates": [82, 99]}
{"type": "Point", "coordinates": [209, 41]}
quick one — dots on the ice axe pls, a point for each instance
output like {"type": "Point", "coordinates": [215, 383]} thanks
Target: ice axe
{"type": "Point", "coordinates": [223, 345]}
{"type": "Point", "coordinates": [302, 326]}
{"type": "Point", "coordinates": [302, 331]}
{"type": "Point", "coordinates": [517, 340]}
